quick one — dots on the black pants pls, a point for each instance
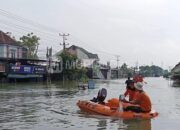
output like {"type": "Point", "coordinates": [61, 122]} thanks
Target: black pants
{"type": "Point", "coordinates": [133, 109]}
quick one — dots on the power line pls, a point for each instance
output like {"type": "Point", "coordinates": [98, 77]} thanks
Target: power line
{"type": "Point", "coordinates": [27, 29]}
{"type": "Point", "coordinates": [27, 21]}
{"type": "Point", "coordinates": [37, 25]}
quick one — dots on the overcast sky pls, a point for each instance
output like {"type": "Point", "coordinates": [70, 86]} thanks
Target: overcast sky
{"type": "Point", "coordinates": [140, 31]}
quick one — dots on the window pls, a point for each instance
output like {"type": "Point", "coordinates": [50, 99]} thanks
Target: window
{"type": "Point", "coordinates": [12, 53]}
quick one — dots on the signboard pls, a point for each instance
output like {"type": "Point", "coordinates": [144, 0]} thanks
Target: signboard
{"type": "Point", "coordinates": [23, 69]}
{"type": "Point", "coordinates": [27, 69]}
{"type": "Point", "coordinates": [39, 70]}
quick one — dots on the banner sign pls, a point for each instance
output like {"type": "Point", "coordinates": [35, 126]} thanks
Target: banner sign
{"type": "Point", "coordinates": [23, 69]}
{"type": "Point", "coordinates": [39, 69]}
{"type": "Point", "coordinates": [27, 69]}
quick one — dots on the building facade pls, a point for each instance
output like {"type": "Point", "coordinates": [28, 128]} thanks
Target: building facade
{"type": "Point", "coordinates": [89, 61]}
{"type": "Point", "coordinates": [175, 72]}
{"type": "Point", "coordinates": [9, 48]}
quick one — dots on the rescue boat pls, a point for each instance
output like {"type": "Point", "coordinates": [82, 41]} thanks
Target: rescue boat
{"type": "Point", "coordinates": [107, 110]}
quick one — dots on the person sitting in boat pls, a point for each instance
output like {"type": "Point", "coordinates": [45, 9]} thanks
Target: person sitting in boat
{"type": "Point", "coordinates": [128, 81]}
{"type": "Point", "coordinates": [138, 78]}
{"type": "Point", "coordinates": [102, 93]}
{"type": "Point", "coordinates": [141, 101]}
{"type": "Point", "coordinates": [130, 90]}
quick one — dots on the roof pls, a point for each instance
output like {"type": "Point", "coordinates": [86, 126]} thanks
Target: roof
{"type": "Point", "coordinates": [73, 47]}
{"type": "Point", "coordinates": [176, 67]}
{"type": "Point", "coordinates": [5, 39]}
{"type": "Point", "coordinates": [22, 59]}
{"type": "Point", "coordinates": [90, 55]}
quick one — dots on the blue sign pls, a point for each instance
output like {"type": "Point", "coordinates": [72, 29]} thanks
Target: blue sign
{"type": "Point", "coordinates": [23, 69]}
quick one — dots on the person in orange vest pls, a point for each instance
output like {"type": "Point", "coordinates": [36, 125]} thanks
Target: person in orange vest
{"type": "Point", "coordinates": [138, 78]}
{"type": "Point", "coordinates": [130, 90]}
{"type": "Point", "coordinates": [141, 101]}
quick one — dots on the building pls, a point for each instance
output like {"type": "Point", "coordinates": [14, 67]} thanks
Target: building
{"type": "Point", "coordinates": [86, 58]}
{"type": "Point", "coordinates": [176, 72]}
{"type": "Point", "coordinates": [14, 64]}
{"type": "Point", "coordinates": [9, 48]}
{"type": "Point", "coordinates": [90, 61]}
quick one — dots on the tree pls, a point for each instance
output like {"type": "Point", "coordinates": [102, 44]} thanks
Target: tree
{"type": "Point", "coordinates": [30, 41]}
{"type": "Point", "coordinates": [72, 68]}
{"type": "Point", "coordinates": [153, 70]}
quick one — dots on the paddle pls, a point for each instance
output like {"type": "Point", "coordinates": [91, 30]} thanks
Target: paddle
{"type": "Point", "coordinates": [121, 98]}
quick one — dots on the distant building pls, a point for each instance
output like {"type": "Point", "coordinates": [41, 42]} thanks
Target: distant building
{"type": "Point", "coordinates": [9, 48]}
{"type": "Point", "coordinates": [87, 59]}
{"type": "Point", "coordinates": [90, 61]}
{"type": "Point", "coordinates": [14, 64]}
{"type": "Point", "coordinates": [176, 72]}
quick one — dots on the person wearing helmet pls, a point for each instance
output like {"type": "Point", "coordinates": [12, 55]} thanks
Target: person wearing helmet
{"type": "Point", "coordinates": [130, 90]}
{"type": "Point", "coordinates": [141, 99]}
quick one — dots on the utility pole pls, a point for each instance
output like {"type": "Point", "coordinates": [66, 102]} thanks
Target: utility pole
{"type": "Point", "coordinates": [137, 67]}
{"type": "Point", "coordinates": [49, 63]}
{"type": "Point", "coordinates": [64, 40]}
{"type": "Point", "coordinates": [64, 46]}
{"type": "Point", "coordinates": [117, 61]}
{"type": "Point", "coordinates": [117, 65]}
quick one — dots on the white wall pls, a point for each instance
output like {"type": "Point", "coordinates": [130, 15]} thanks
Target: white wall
{"type": "Point", "coordinates": [87, 62]}
{"type": "Point", "coordinates": [3, 51]}
{"type": "Point", "coordinates": [81, 55]}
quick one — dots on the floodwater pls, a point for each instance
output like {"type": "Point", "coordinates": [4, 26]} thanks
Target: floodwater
{"type": "Point", "coordinates": [37, 106]}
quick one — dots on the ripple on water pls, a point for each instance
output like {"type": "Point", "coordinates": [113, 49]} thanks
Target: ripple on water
{"type": "Point", "coordinates": [40, 107]}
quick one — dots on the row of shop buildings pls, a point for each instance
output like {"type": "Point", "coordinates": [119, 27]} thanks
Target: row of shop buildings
{"type": "Point", "coordinates": [15, 64]}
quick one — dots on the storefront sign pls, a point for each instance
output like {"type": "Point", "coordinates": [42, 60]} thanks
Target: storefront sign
{"type": "Point", "coordinates": [27, 69]}
{"type": "Point", "coordinates": [23, 69]}
{"type": "Point", "coordinates": [39, 70]}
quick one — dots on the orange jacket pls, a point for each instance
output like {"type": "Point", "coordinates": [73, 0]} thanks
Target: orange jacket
{"type": "Point", "coordinates": [131, 94]}
{"type": "Point", "coordinates": [142, 99]}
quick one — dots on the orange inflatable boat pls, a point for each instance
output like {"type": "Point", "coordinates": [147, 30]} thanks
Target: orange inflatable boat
{"type": "Point", "coordinates": [107, 110]}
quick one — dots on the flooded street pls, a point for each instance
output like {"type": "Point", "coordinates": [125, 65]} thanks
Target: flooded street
{"type": "Point", "coordinates": [44, 107]}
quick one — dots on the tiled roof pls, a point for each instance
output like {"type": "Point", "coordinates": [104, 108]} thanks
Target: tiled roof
{"type": "Point", "coordinates": [90, 55]}
{"type": "Point", "coordinates": [73, 47]}
{"type": "Point", "coordinates": [5, 39]}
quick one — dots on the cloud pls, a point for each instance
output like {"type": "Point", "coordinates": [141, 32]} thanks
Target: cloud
{"type": "Point", "coordinates": [138, 30]}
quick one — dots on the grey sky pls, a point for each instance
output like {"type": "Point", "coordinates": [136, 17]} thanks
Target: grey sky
{"type": "Point", "coordinates": [146, 31]}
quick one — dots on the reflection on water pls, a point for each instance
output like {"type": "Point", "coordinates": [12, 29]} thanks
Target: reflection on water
{"type": "Point", "coordinates": [101, 124]}
{"type": "Point", "coordinates": [138, 124]}
{"type": "Point", "coordinates": [176, 84]}
{"type": "Point", "coordinates": [43, 107]}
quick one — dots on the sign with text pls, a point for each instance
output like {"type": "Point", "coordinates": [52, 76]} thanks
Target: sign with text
{"type": "Point", "coordinates": [27, 69]}
{"type": "Point", "coordinates": [23, 69]}
{"type": "Point", "coordinates": [39, 70]}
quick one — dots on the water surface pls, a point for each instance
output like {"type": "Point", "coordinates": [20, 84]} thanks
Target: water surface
{"type": "Point", "coordinates": [38, 106]}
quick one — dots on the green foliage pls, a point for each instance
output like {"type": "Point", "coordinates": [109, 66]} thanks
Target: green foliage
{"type": "Point", "coordinates": [151, 71]}
{"type": "Point", "coordinates": [72, 67]}
{"type": "Point", "coordinates": [30, 41]}
{"type": "Point", "coordinates": [125, 71]}
{"type": "Point", "coordinates": [124, 67]}
{"type": "Point", "coordinates": [166, 74]}
{"type": "Point", "coordinates": [146, 71]}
